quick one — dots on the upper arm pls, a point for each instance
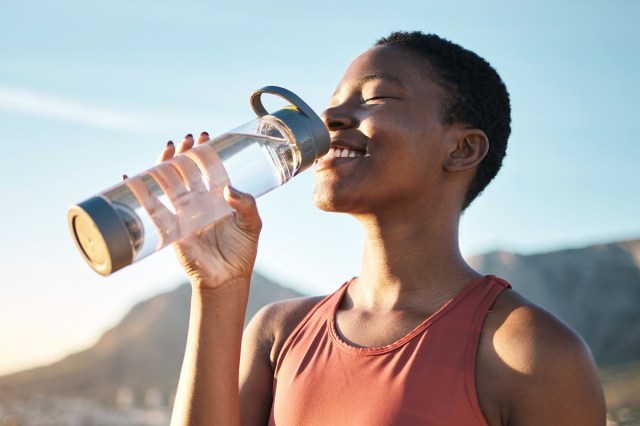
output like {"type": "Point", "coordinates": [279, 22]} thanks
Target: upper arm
{"type": "Point", "coordinates": [262, 340]}
{"type": "Point", "coordinates": [256, 374]}
{"type": "Point", "coordinates": [565, 391]}
{"type": "Point", "coordinates": [552, 376]}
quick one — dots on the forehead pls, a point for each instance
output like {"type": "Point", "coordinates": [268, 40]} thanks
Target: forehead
{"type": "Point", "coordinates": [395, 65]}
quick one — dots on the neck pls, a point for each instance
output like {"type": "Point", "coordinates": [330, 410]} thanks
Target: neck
{"type": "Point", "coordinates": [411, 261]}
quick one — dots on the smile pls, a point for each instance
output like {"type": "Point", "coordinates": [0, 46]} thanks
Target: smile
{"type": "Point", "coordinates": [336, 156]}
{"type": "Point", "coordinates": [342, 153]}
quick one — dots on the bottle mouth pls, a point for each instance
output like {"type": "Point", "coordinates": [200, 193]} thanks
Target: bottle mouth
{"type": "Point", "coordinates": [307, 128]}
{"type": "Point", "coordinates": [298, 130]}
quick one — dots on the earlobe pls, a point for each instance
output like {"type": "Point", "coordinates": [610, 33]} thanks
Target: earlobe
{"type": "Point", "coordinates": [469, 150]}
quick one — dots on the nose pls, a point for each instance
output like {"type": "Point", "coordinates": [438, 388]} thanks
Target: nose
{"type": "Point", "coordinates": [338, 117]}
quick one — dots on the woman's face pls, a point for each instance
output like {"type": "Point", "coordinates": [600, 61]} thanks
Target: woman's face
{"type": "Point", "coordinates": [387, 135]}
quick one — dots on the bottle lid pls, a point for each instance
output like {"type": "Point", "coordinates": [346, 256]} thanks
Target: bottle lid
{"type": "Point", "coordinates": [310, 134]}
{"type": "Point", "coordinates": [100, 235]}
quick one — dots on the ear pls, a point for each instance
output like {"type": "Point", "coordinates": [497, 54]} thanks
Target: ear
{"type": "Point", "coordinates": [469, 150]}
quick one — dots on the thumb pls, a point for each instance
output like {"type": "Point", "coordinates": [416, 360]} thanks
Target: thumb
{"type": "Point", "coordinates": [247, 216]}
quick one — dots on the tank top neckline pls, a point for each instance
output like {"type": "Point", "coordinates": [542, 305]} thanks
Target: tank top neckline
{"type": "Point", "coordinates": [372, 351]}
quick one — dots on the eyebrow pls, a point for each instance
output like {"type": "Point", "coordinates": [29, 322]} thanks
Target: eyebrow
{"type": "Point", "coordinates": [381, 75]}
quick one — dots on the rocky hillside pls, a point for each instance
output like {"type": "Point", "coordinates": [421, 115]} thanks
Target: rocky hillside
{"type": "Point", "coordinates": [137, 360]}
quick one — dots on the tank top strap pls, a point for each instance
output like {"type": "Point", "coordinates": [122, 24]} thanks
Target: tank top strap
{"type": "Point", "coordinates": [489, 293]}
{"type": "Point", "coordinates": [319, 311]}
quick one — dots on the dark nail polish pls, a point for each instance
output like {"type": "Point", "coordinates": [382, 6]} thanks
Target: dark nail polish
{"type": "Point", "coordinates": [189, 136]}
{"type": "Point", "coordinates": [170, 143]}
{"type": "Point", "coordinates": [125, 177]}
{"type": "Point", "coordinates": [204, 134]}
{"type": "Point", "coordinates": [235, 193]}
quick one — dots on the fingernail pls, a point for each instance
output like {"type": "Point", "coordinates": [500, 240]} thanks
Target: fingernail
{"type": "Point", "coordinates": [189, 136]}
{"type": "Point", "coordinates": [235, 193]}
{"type": "Point", "coordinates": [125, 177]}
{"type": "Point", "coordinates": [204, 134]}
{"type": "Point", "coordinates": [170, 143]}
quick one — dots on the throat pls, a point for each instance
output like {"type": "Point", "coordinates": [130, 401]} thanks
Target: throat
{"type": "Point", "coordinates": [367, 325]}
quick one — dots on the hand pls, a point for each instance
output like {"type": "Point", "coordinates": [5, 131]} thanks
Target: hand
{"type": "Point", "coordinates": [225, 251]}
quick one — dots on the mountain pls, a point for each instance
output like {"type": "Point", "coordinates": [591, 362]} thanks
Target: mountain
{"type": "Point", "coordinates": [137, 360]}
{"type": "Point", "coordinates": [595, 290]}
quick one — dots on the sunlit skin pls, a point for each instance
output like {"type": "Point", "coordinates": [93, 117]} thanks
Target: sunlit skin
{"type": "Point", "coordinates": [405, 183]}
{"type": "Point", "coordinates": [412, 176]}
{"type": "Point", "coordinates": [386, 108]}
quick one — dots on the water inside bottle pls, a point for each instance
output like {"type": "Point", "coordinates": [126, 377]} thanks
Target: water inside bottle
{"type": "Point", "coordinates": [172, 200]}
{"type": "Point", "coordinates": [257, 164]}
{"type": "Point", "coordinates": [180, 196]}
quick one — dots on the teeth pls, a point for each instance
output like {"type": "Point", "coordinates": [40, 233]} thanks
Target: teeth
{"type": "Point", "coordinates": [343, 153]}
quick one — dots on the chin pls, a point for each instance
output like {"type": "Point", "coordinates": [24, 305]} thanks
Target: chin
{"type": "Point", "coordinates": [329, 202]}
{"type": "Point", "coordinates": [324, 203]}
{"type": "Point", "coordinates": [333, 195]}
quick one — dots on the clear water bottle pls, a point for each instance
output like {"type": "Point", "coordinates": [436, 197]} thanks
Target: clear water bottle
{"type": "Point", "coordinates": [179, 197]}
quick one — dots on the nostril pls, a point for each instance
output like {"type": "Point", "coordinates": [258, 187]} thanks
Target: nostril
{"type": "Point", "coordinates": [339, 122]}
{"type": "Point", "coordinates": [335, 124]}
{"type": "Point", "coordinates": [337, 117]}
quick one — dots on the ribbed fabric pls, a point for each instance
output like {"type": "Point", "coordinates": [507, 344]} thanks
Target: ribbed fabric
{"type": "Point", "coordinates": [425, 378]}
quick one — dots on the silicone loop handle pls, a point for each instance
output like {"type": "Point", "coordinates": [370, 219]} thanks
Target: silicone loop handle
{"type": "Point", "coordinates": [256, 102]}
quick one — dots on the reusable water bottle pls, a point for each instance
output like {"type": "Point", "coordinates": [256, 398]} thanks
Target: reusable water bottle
{"type": "Point", "coordinates": [181, 196]}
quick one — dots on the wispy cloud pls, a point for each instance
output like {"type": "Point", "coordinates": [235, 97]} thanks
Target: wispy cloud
{"type": "Point", "coordinates": [30, 102]}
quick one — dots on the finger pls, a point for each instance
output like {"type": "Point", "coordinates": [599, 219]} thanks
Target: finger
{"type": "Point", "coordinates": [204, 137]}
{"type": "Point", "coordinates": [245, 205]}
{"type": "Point", "coordinates": [168, 152]}
{"type": "Point", "coordinates": [186, 144]}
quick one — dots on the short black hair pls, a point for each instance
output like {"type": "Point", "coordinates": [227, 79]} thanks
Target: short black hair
{"type": "Point", "coordinates": [476, 96]}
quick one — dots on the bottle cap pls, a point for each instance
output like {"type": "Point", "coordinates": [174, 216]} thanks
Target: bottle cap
{"type": "Point", "coordinates": [100, 235]}
{"type": "Point", "coordinates": [310, 134]}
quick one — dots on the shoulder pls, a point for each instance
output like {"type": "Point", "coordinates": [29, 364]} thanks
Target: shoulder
{"type": "Point", "coordinates": [545, 371]}
{"type": "Point", "coordinates": [525, 335]}
{"type": "Point", "coordinates": [261, 342]}
{"type": "Point", "coordinates": [271, 325]}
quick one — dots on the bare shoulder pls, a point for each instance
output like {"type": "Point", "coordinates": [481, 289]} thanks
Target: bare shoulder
{"type": "Point", "coordinates": [527, 337]}
{"type": "Point", "coordinates": [261, 343]}
{"type": "Point", "coordinates": [271, 325]}
{"type": "Point", "coordinates": [541, 371]}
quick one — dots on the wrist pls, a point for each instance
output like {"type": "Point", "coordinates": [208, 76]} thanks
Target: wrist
{"type": "Point", "coordinates": [228, 296]}
{"type": "Point", "coordinates": [206, 286]}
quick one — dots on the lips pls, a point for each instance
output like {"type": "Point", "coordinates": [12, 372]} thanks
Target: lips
{"type": "Point", "coordinates": [344, 148]}
{"type": "Point", "coordinates": [337, 155]}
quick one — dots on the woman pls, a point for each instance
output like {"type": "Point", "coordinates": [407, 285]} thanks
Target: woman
{"type": "Point", "coordinates": [419, 127]}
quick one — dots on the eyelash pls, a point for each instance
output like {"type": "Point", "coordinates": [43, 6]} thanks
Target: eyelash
{"type": "Point", "coordinates": [376, 98]}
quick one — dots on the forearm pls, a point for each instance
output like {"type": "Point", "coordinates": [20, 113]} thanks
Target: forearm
{"type": "Point", "coordinates": [208, 388]}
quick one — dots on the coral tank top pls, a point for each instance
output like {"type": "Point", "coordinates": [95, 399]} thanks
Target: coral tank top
{"type": "Point", "coordinates": [425, 378]}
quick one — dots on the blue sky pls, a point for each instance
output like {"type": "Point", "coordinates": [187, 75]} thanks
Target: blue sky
{"type": "Point", "coordinates": [92, 90]}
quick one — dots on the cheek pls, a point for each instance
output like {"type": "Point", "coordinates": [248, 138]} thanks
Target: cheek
{"type": "Point", "coordinates": [411, 151]}
{"type": "Point", "coordinates": [384, 132]}
{"type": "Point", "coordinates": [400, 123]}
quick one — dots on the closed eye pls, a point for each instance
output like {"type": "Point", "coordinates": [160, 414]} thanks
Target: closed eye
{"type": "Point", "coordinates": [375, 99]}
